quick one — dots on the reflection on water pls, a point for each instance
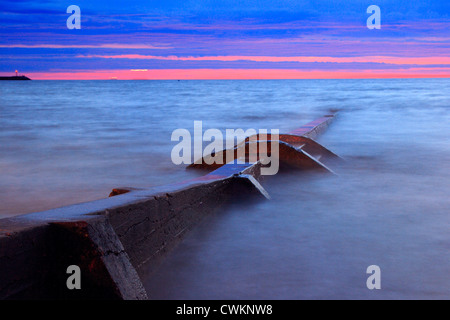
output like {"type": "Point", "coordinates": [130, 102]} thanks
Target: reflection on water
{"type": "Point", "coordinates": [66, 142]}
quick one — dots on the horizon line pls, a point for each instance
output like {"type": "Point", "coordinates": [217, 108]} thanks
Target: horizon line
{"type": "Point", "coordinates": [236, 74]}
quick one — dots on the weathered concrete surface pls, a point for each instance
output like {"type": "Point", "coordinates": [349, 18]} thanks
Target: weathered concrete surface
{"type": "Point", "coordinates": [304, 143]}
{"type": "Point", "coordinates": [34, 259]}
{"type": "Point", "coordinates": [314, 128]}
{"type": "Point", "coordinates": [148, 229]}
{"type": "Point", "coordinates": [115, 240]}
{"type": "Point", "coordinates": [289, 156]}
{"type": "Point", "coordinates": [112, 240]}
{"type": "Point", "coordinates": [296, 150]}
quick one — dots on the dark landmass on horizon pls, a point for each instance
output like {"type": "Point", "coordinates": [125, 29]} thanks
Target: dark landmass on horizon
{"type": "Point", "coordinates": [15, 78]}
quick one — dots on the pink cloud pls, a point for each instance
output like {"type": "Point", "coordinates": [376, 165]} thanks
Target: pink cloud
{"type": "Point", "coordinates": [82, 46]}
{"type": "Point", "coordinates": [220, 74]}
{"type": "Point", "coordinates": [368, 59]}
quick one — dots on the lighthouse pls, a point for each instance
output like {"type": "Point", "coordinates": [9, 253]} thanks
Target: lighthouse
{"type": "Point", "coordinates": [16, 77]}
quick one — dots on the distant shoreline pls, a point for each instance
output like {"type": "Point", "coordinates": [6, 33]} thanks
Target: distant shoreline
{"type": "Point", "coordinates": [15, 78]}
{"type": "Point", "coordinates": [287, 79]}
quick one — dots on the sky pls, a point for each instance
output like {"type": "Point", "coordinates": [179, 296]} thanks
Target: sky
{"type": "Point", "coordinates": [226, 39]}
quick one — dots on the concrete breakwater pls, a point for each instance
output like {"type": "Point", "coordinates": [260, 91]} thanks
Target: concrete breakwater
{"type": "Point", "coordinates": [115, 241]}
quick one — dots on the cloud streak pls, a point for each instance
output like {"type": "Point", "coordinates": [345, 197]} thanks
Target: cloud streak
{"type": "Point", "coordinates": [299, 59]}
{"type": "Point", "coordinates": [281, 39]}
{"type": "Point", "coordinates": [83, 46]}
{"type": "Point", "coordinates": [238, 74]}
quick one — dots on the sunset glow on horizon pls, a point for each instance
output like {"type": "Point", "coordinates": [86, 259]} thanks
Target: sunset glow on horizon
{"type": "Point", "coordinates": [227, 40]}
{"type": "Point", "coordinates": [235, 74]}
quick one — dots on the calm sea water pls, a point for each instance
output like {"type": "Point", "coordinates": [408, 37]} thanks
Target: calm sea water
{"type": "Point", "coordinates": [63, 142]}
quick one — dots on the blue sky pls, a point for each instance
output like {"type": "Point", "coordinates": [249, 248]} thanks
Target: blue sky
{"type": "Point", "coordinates": [124, 35]}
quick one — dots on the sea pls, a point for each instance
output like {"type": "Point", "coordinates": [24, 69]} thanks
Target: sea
{"type": "Point", "coordinates": [66, 142]}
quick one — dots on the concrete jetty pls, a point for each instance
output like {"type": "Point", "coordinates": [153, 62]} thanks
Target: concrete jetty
{"type": "Point", "coordinates": [117, 240]}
